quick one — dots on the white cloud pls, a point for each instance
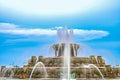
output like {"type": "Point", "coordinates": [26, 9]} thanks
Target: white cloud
{"type": "Point", "coordinates": [90, 34]}
{"type": "Point", "coordinates": [8, 28]}
{"type": "Point", "coordinates": [15, 29]}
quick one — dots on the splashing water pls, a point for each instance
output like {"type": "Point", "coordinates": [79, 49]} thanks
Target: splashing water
{"type": "Point", "coordinates": [4, 72]}
{"type": "Point", "coordinates": [92, 65]}
{"type": "Point", "coordinates": [35, 68]}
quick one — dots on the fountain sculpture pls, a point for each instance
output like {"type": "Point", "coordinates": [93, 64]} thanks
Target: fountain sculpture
{"type": "Point", "coordinates": [66, 64]}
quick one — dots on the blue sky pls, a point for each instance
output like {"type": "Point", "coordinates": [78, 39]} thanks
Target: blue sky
{"type": "Point", "coordinates": [29, 28]}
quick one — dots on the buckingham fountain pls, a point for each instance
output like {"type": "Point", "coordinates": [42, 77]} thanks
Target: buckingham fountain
{"type": "Point", "coordinates": [65, 65]}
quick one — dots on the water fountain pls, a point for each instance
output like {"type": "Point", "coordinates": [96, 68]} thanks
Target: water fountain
{"type": "Point", "coordinates": [66, 55]}
{"type": "Point", "coordinates": [38, 63]}
{"type": "Point", "coordinates": [92, 65]}
{"type": "Point", "coordinates": [66, 64]}
{"type": "Point", "coordinates": [5, 71]}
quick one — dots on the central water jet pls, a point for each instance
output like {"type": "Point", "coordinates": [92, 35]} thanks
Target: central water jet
{"type": "Point", "coordinates": [66, 37]}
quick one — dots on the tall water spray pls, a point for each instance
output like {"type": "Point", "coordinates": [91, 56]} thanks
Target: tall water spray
{"type": "Point", "coordinates": [66, 37]}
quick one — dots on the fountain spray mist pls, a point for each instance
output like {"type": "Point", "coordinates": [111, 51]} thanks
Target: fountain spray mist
{"type": "Point", "coordinates": [66, 61]}
{"type": "Point", "coordinates": [66, 37]}
{"type": "Point", "coordinates": [38, 63]}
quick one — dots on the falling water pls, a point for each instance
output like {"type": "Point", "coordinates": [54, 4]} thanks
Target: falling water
{"type": "Point", "coordinates": [92, 65]}
{"type": "Point", "coordinates": [35, 68]}
{"type": "Point", "coordinates": [98, 70]}
{"type": "Point", "coordinates": [59, 48]}
{"type": "Point", "coordinates": [4, 72]}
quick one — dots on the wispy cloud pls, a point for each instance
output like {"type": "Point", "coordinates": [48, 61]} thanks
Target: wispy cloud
{"type": "Point", "coordinates": [90, 34]}
{"type": "Point", "coordinates": [8, 28]}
